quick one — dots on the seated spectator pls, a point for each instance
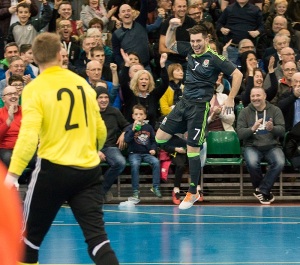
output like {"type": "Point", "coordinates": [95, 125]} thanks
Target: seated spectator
{"type": "Point", "coordinates": [142, 89]}
{"type": "Point", "coordinates": [25, 30]}
{"type": "Point", "coordinates": [132, 36]}
{"type": "Point", "coordinates": [256, 78]}
{"type": "Point", "coordinates": [285, 83]}
{"type": "Point", "coordinates": [292, 144]}
{"type": "Point", "coordinates": [111, 152]}
{"type": "Point", "coordinates": [27, 57]}
{"type": "Point", "coordinates": [259, 126]}
{"type": "Point", "coordinates": [64, 29]}
{"type": "Point", "coordinates": [94, 73]}
{"type": "Point", "coordinates": [84, 57]}
{"type": "Point", "coordinates": [10, 122]}
{"type": "Point", "coordinates": [266, 39]}
{"type": "Point", "coordinates": [62, 10]}
{"type": "Point", "coordinates": [16, 67]}
{"type": "Point", "coordinates": [244, 45]}
{"type": "Point", "coordinates": [218, 119]}
{"type": "Point", "coordinates": [97, 53]}
{"type": "Point", "coordinates": [140, 138]}
{"type": "Point", "coordinates": [10, 50]}
{"type": "Point", "coordinates": [289, 103]}
{"type": "Point", "coordinates": [96, 23]}
{"type": "Point", "coordinates": [197, 13]}
{"type": "Point", "coordinates": [179, 8]}
{"type": "Point", "coordinates": [97, 35]}
{"type": "Point", "coordinates": [92, 9]}
{"type": "Point", "coordinates": [248, 59]}
{"type": "Point", "coordinates": [287, 54]}
{"type": "Point", "coordinates": [239, 21]}
{"type": "Point", "coordinates": [174, 91]}
{"type": "Point", "coordinates": [17, 82]}
{"type": "Point", "coordinates": [280, 8]}
{"type": "Point", "coordinates": [65, 63]}
{"type": "Point", "coordinates": [280, 41]}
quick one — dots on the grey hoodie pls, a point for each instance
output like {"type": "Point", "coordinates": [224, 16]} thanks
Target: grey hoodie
{"type": "Point", "coordinates": [262, 138]}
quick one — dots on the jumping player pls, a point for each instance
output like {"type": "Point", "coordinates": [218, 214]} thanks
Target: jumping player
{"type": "Point", "coordinates": [191, 112]}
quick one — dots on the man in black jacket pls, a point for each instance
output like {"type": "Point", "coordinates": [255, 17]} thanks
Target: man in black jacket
{"type": "Point", "coordinates": [111, 152]}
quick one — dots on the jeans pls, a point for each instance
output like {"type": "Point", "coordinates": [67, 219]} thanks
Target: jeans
{"type": "Point", "coordinates": [275, 159]}
{"type": "Point", "coordinates": [233, 54]}
{"type": "Point", "coordinates": [117, 164]}
{"type": "Point", "coordinates": [5, 156]}
{"type": "Point", "coordinates": [135, 162]}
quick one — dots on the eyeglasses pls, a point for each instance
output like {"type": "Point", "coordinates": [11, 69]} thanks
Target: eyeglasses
{"type": "Point", "coordinates": [290, 70]}
{"type": "Point", "coordinates": [65, 26]}
{"type": "Point", "coordinates": [18, 65]}
{"type": "Point", "coordinates": [10, 94]}
{"type": "Point", "coordinates": [18, 85]}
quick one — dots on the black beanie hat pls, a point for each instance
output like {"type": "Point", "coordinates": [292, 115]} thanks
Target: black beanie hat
{"type": "Point", "coordinates": [101, 90]}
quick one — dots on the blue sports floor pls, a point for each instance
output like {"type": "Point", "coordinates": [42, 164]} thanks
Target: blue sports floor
{"type": "Point", "coordinates": [204, 234]}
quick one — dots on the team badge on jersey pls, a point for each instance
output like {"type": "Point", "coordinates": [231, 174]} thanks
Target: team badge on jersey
{"type": "Point", "coordinates": [205, 63]}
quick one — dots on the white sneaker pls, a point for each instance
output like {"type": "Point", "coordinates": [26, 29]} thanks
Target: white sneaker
{"type": "Point", "coordinates": [189, 201]}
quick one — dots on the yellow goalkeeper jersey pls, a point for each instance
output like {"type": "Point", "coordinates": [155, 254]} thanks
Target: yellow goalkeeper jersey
{"type": "Point", "coordinates": [61, 116]}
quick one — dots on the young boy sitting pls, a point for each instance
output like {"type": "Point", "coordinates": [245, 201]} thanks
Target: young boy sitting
{"type": "Point", "coordinates": [25, 30]}
{"type": "Point", "coordinates": [140, 138]}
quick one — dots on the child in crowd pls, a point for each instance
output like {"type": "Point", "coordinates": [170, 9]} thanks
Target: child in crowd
{"type": "Point", "coordinates": [25, 30]}
{"type": "Point", "coordinates": [140, 138]}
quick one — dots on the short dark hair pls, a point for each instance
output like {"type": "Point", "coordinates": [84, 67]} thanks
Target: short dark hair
{"type": "Point", "coordinates": [94, 21]}
{"type": "Point", "coordinates": [197, 29]}
{"type": "Point", "coordinates": [25, 47]}
{"type": "Point", "coordinates": [11, 44]}
{"type": "Point", "coordinates": [14, 78]}
{"type": "Point", "coordinates": [96, 48]}
{"type": "Point", "coordinates": [24, 5]}
{"type": "Point", "coordinates": [139, 107]}
{"type": "Point", "coordinates": [64, 3]}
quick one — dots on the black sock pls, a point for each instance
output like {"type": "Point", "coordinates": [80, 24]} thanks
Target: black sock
{"type": "Point", "coordinates": [195, 168]}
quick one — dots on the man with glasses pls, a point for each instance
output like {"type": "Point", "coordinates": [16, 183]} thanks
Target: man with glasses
{"type": "Point", "coordinates": [17, 82]}
{"type": "Point", "coordinates": [16, 67]}
{"type": "Point", "coordinates": [10, 122]}
{"type": "Point", "coordinates": [244, 45]}
{"type": "Point", "coordinates": [287, 54]}
{"type": "Point", "coordinates": [63, 11]}
{"type": "Point", "coordinates": [285, 83]}
{"type": "Point", "coordinates": [70, 44]}
{"type": "Point", "coordinates": [197, 13]}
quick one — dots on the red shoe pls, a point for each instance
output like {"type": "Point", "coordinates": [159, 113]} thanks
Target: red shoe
{"type": "Point", "coordinates": [176, 198]}
{"type": "Point", "coordinates": [201, 198]}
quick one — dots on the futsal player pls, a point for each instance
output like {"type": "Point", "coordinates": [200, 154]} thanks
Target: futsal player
{"type": "Point", "coordinates": [191, 112]}
{"type": "Point", "coordinates": [61, 117]}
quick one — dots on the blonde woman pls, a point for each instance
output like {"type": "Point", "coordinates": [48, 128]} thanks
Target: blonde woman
{"type": "Point", "coordinates": [142, 90]}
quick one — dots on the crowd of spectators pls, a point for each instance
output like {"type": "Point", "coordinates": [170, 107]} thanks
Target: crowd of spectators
{"type": "Point", "coordinates": [121, 46]}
